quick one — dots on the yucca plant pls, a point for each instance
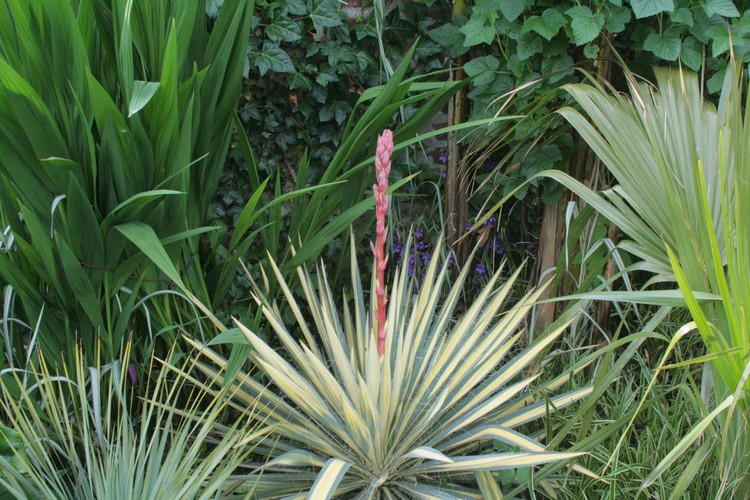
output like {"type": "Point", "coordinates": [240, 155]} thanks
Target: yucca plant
{"type": "Point", "coordinates": [682, 200]}
{"type": "Point", "coordinates": [115, 120]}
{"type": "Point", "coordinates": [432, 418]}
{"type": "Point", "coordinates": [86, 434]}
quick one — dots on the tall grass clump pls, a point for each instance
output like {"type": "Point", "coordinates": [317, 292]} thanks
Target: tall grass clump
{"type": "Point", "coordinates": [86, 433]}
{"type": "Point", "coordinates": [683, 200]}
{"type": "Point", "coordinates": [115, 120]}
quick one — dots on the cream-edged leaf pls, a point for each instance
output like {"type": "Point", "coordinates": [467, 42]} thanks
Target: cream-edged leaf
{"type": "Point", "coordinates": [328, 479]}
{"type": "Point", "coordinates": [428, 453]}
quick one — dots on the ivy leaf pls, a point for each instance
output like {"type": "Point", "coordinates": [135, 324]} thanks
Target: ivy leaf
{"type": "Point", "coordinates": [547, 25]}
{"type": "Point", "coordinates": [448, 35]}
{"type": "Point", "coordinates": [682, 16]}
{"type": "Point", "coordinates": [299, 80]}
{"type": "Point", "coordinates": [324, 15]}
{"type": "Point", "coordinates": [284, 30]}
{"type": "Point", "coordinates": [665, 46]}
{"type": "Point", "coordinates": [365, 30]}
{"type": "Point", "coordinates": [477, 32]}
{"type": "Point", "coordinates": [337, 110]}
{"type": "Point", "coordinates": [617, 19]}
{"type": "Point", "coordinates": [296, 7]}
{"type": "Point", "coordinates": [585, 24]}
{"type": "Point", "coordinates": [691, 53]}
{"type": "Point", "coordinates": [724, 8]}
{"type": "Point", "coordinates": [511, 9]}
{"type": "Point", "coordinates": [324, 78]}
{"type": "Point", "coordinates": [483, 68]}
{"type": "Point", "coordinates": [646, 8]}
{"type": "Point", "coordinates": [273, 58]}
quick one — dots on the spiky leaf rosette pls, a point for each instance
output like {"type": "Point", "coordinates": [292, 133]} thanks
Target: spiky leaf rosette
{"type": "Point", "coordinates": [424, 420]}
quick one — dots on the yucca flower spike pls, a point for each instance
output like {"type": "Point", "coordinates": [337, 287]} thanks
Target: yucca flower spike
{"type": "Point", "coordinates": [383, 153]}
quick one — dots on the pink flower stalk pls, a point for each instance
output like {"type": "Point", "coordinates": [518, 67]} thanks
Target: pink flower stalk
{"type": "Point", "coordinates": [382, 200]}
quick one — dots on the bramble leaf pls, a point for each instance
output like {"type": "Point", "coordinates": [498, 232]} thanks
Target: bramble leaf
{"type": "Point", "coordinates": [725, 8]}
{"type": "Point", "coordinates": [546, 25]}
{"type": "Point", "coordinates": [483, 69]}
{"type": "Point", "coordinates": [646, 8]}
{"type": "Point", "coordinates": [665, 46]}
{"type": "Point", "coordinates": [586, 24]}
{"type": "Point", "coordinates": [477, 32]}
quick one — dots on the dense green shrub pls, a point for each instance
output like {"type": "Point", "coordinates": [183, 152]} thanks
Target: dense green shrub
{"type": "Point", "coordinates": [115, 120]}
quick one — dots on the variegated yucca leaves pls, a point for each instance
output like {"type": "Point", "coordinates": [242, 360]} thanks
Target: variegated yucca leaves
{"type": "Point", "coordinates": [432, 418]}
{"type": "Point", "coordinates": [683, 200]}
{"type": "Point", "coordinates": [86, 434]}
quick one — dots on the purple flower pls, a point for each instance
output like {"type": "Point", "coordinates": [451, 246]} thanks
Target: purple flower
{"type": "Point", "coordinates": [412, 265]}
{"type": "Point", "coordinates": [425, 258]}
{"type": "Point", "coordinates": [418, 234]}
{"type": "Point", "coordinates": [449, 261]}
{"type": "Point", "coordinates": [479, 273]}
{"type": "Point", "coordinates": [443, 157]}
{"type": "Point", "coordinates": [497, 245]}
{"type": "Point", "coordinates": [490, 164]}
{"type": "Point", "coordinates": [492, 220]}
{"type": "Point", "coordinates": [443, 173]}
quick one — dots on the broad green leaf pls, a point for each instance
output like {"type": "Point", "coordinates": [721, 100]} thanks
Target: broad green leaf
{"type": "Point", "coordinates": [284, 30]}
{"type": "Point", "coordinates": [142, 94]}
{"type": "Point", "coordinates": [665, 46]}
{"type": "Point", "coordinates": [482, 69]}
{"type": "Point", "coordinates": [585, 24]}
{"type": "Point", "coordinates": [691, 53]}
{"type": "Point", "coordinates": [646, 8]}
{"type": "Point", "coordinates": [720, 36]}
{"type": "Point", "coordinates": [324, 14]}
{"type": "Point", "coordinates": [80, 285]}
{"type": "Point", "coordinates": [511, 9]}
{"type": "Point", "coordinates": [144, 237]}
{"type": "Point", "coordinates": [547, 25]}
{"type": "Point", "coordinates": [617, 19]}
{"type": "Point", "coordinates": [450, 36]}
{"type": "Point", "coordinates": [273, 58]}
{"type": "Point", "coordinates": [477, 32]}
{"type": "Point", "coordinates": [231, 336]}
{"type": "Point", "coordinates": [682, 15]}
{"type": "Point", "coordinates": [725, 8]}
{"type": "Point", "coordinates": [527, 45]}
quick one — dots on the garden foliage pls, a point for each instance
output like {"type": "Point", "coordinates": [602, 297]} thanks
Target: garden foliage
{"type": "Point", "coordinates": [431, 418]}
{"type": "Point", "coordinates": [115, 120]}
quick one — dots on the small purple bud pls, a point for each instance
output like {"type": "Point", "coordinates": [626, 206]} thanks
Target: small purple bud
{"type": "Point", "coordinates": [133, 374]}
